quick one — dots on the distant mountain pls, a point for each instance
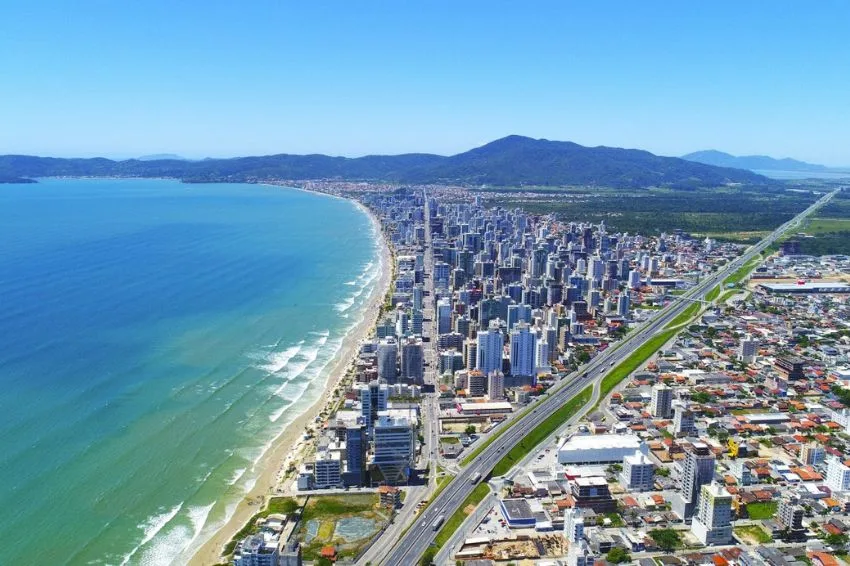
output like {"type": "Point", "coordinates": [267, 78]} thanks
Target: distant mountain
{"type": "Point", "coordinates": [752, 162]}
{"type": "Point", "coordinates": [161, 156]}
{"type": "Point", "coordinates": [510, 161]}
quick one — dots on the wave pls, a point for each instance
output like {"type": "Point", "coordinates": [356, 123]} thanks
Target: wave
{"type": "Point", "coordinates": [277, 361]}
{"type": "Point", "coordinates": [151, 528]}
{"type": "Point", "coordinates": [344, 305]}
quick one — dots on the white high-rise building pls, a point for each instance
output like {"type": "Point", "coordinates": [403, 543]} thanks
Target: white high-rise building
{"type": "Point", "coordinates": [523, 345]}
{"type": "Point", "coordinates": [373, 399]}
{"type": "Point", "coordinates": [574, 525]}
{"type": "Point", "coordinates": [837, 476]}
{"type": "Point", "coordinates": [634, 279]}
{"type": "Point", "coordinates": [541, 357]}
{"type": "Point", "coordinates": [748, 349]}
{"type": "Point", "coordinates": [712, 522]}
{"type": "Point", "coordinates": [496, 385]}
{"type": "Point", "coordinates": [388, 360]}
{"type": "Point", "coordinates": [489, 352]}
{"type": "Point", "coordinates": [662, 401]}
{"type": "Point", "coordinates": [638, 472]}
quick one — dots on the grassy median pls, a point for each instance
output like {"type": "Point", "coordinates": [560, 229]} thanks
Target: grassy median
{"type": "Point", "coordinates": [542, 431]}
{"type": "Point", "coordinates": [456, 520]}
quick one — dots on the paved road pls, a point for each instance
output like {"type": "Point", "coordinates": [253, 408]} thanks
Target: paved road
{"type": "Point", "coordinates": [410, 548]}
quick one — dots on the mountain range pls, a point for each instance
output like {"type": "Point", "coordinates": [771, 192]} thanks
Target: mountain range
{"type": "Point", "coordinates": [752, 162]}
{"type": "Point", "coordinates": [510, 161]}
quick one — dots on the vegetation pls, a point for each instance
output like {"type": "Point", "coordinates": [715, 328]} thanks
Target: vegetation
{"type": "Point", "coordinates": [752, 534]}
{"type": "Point", "coordinates": [456, 520]}
{"type": "Point", "coordinates": [666, 539]}
{"type": "Point", "coordinates": [542, 431]}
{"type": "Point", "coordinates": [836, 540]}
{"type": "Point", "coordinates": [327, 510]}
{"type": "Point", "coordinates": [742, 271]}
{"type": "Point", "coordinates": [762, 510]}
{"type": "Point", "coordinates": [717, 211]}
{"type": "Point", "coordinates": [618, 555]}
{"type": "Point", "coordinates": [470, 429]}
{"type": "Point", "coordinates": [513, 160]}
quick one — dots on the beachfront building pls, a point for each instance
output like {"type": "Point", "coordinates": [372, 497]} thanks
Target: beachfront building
{"type": "Point", "coordinates": [388, 360]}
{"type": "Point", "coordinates": [412, 361]}
{"type": "Point", "coordinates": [373, 398]}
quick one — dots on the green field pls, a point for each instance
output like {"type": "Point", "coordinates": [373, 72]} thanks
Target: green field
{"type": "Point", "coordinates": [327, 510]}
{"type": "Point", "coordinates": [820, 225]}
{"type": "Point", "coordinates": [711, 295]}
{"type": "Point", "coordinates": [752, 534]}
{"type": "Point", "coordinates": [456, 520]}
{"type": "Point", "coordinates": [542, 431]}
{"type": "Point", "coordinates": [761, 511]}
{"type": "Point", "coordinates": [742, 271]}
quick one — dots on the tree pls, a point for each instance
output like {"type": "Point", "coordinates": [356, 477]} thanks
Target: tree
{"type": "Point", "coordinates": [837, 540]}
{"type": "Point", "coordinates": [470, 429]}
{"type": "Point", "coordinates": [666, 539]}
{"type": "Point", "coordinates": [428, 558]}
{"type": "Point", "coordinates": [618, 555]}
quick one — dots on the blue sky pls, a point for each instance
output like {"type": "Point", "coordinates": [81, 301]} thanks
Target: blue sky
{"type": "Point", "coordinates": [351, 78]}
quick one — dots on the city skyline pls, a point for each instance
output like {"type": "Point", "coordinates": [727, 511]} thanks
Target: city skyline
{"type": "Point", "coordinates": [124, 81]}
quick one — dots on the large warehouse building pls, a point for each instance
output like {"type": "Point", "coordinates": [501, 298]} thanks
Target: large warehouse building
{"type": "Point", "coordinates": [599, 448]}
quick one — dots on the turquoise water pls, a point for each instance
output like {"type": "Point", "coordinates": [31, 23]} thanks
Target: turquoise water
{"type": "Point", "coordinates": [155, 337]}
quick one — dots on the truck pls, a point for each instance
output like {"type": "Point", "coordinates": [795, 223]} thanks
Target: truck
{"type": "Point", "coordinates": [439, 521]}
{"type": "Point", "coordinates": [475, 478]}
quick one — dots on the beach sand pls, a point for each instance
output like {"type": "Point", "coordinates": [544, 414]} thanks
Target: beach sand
{"type": "Point", "coordinates": [288, 445]}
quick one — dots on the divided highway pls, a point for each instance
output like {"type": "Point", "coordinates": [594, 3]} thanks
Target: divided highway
{"type": "Point", "coordinates": [410, 548]}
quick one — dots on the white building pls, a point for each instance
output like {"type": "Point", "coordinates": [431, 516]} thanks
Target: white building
{"type": "Point", "coordinates": [573, 525]}
{"type": "Point", "coordinates": [523, 346]}
{"type": "Point", "coordinates": [496, 385]}
{"type": "Point", "coordinates": [712, 522]}
{"type": "Point", "coordinates": [327, 470]}
{"type": "Point", "coordinates": [747, 352]}
{"type": "Point", "coordinates": [600, 448]}
{"type": "Point", "coordinates": [662, 401]}
{"type": "Point", "coordinates": [489, 351]}
{"type": "Point", "coordinates": [580, 555]}
{"type": "Point", "coordinates": [638, 472]}
{"type": "Point", "coordinates": [837, 476]}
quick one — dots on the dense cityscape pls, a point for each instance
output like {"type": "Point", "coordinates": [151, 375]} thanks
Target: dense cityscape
{"type": "Point", "coordinates": [722, 439]}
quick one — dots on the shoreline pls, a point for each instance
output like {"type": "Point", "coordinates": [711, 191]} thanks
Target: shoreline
{"type": "Point", "coordinates": [287, 446]}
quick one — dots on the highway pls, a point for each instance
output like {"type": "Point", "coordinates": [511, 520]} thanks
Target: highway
{"type": "Point", "coordinates": [412, 545]}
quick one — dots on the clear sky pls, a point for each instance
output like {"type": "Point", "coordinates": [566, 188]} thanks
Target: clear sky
{"type": "Point", "coordinates": [126, 78]}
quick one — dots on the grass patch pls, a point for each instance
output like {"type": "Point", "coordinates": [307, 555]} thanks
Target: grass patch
{"type": "Point", "coordinates": [826, 225]}
{"type": "Point", "coordinates": [762, 510]}
{"type": "Point", "coordinates": [742, 271]}
{"type": "Point", "coordinates": [752, 534]}
{"type": "Point", "coordinates": [686, 315]}
{"type": "Point", "coordinates": [449, 440]}
{"type": "Point", "coordinates": [634, 361]}
{"type": "Point", "coordinates": [327, 511]}
{"type": "Point", "coordinates": [454, 522]}
{"type": "Point", "coordinates": [711, 295]}
{"type": "Point", "coordinates": [542, 431]}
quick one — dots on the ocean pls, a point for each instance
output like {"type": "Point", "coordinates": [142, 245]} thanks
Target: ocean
{"type": "Point", "coordinates": [154, 338]}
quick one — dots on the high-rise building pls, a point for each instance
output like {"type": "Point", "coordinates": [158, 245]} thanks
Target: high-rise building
{"type": "Point", "coordinates": [812, 453]}
{"type": "Point", "coordinates": [837, 476]}
{"type": "Point", "coordinates": [470, 353]}
{"type": "Point", "coordinates": [388, 360]}
{"type": "Point", "coordinates": [355, 455]}
{"type": "Point", "coordinates": [477, 383]}
{"type": "Point", "coordinates": [683, 421]}
{"type": "Point", "coordinates": [638, 472]}
{"type": "Point", "coordinates": [523, 345]}
{"type": "Point", "coordinates": [394, 448]}
{"type": "Point", "coordinates": [373, 399]}
{"type": "Point", "coordinates": [790, 515]}
{"type": "Point", "coordinates": [490, 346]}
{"type": "Point", "coordinates": [444, 316]}
{"type": "Point", "coordinates": [413, 361]}
{"type": "Point", "coordinates": [541, 357]}
{"type": "Point", "coordinates": [623, 304]}
{"type": "Point", "coordinates": [634, 279]}
{"type": "Point", "coordinates": [574, 525]}
{"type": "Point", "coordinates": [662, 400]}
{"type": "Point", "coordinates": [518, 313]}
{"type": "Point", "coordinates": [416, 320]}
{"type": "Point", "coordinates": [748, 349]}
{"type": "Point", "coordinates": [256, 550]}
{"type": "Point", "coordinates": [496, 385]}
{"type": "Point", "coordinates": [327, 470]}
{"type": "Point", "coordinates": [697, 471]}
{"type": "Point", "coordinates": [450, 362]}
{"type": "Point", "coordinates": [712, 523]}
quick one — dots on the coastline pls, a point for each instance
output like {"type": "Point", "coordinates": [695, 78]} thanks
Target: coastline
{"type": "Point", "coordinates": [288, 445]}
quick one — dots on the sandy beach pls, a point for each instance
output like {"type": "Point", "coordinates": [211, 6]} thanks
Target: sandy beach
{"type": "Point", "coordinates": [288, 445]}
